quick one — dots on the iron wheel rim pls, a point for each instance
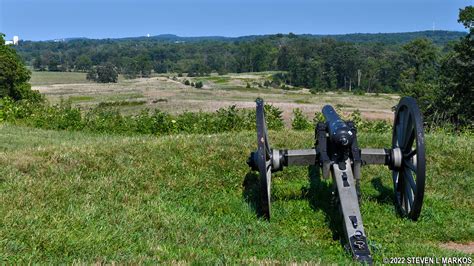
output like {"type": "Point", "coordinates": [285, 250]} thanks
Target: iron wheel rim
{"type": "Point", "coordinates": [264, 160]}
{"type": "Point", "coordinates": [409, 178]}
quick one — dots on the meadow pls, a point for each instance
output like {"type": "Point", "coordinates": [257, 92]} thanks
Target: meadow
{"type": "Point", "coordinates": [100, 198]}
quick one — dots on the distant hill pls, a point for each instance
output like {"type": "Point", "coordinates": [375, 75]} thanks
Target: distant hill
{"type": "Point", "coordinates": [439, 37]}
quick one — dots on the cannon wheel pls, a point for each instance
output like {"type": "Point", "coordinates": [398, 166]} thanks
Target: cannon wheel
{"type": "Point", "coordinates": [409, 178]}
{"type": "Point", "coordinates": [264, 160]}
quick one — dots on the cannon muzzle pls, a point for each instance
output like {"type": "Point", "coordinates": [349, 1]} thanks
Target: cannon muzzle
{"type": "Point", "coordinates": [339, 132]}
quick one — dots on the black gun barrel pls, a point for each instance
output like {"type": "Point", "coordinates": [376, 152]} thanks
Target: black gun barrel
{"type": "Point", "coordinates": [339, 132]}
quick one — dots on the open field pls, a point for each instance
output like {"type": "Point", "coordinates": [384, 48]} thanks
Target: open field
{"type": "Point", "coordinates": [50, 78]}
{"type": "Point", "coordinates": [170, 95]}
{"type": "Point", "coordinates": [77, 197]}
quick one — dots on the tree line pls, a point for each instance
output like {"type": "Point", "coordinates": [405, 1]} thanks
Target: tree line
{"type": "Point", "coordinates": [319, 64]}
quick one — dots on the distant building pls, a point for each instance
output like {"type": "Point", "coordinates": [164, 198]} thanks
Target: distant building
{"type": "Point", "coordinates": [15, 41]}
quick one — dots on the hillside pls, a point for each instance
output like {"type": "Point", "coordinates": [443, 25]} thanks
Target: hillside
{"type": "Point", "coordinates": [78, 197]}
{"type": "Point", "coordinates": [440, 37]}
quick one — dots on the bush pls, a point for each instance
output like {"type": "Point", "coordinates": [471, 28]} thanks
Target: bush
{"type": "Point", "coordinates": [318, 118]}
{"type": "Point", "coordinates": [376, 126]}
{"type": "Point", "coordinates": [106, 118]}
{"type": "Point", "coordinates": [273, 117]}
{"type": "Point", "coordinates": [300, 122]}
{"type": "Point", "coordinates": [199, 84]}
{"type": "Point", "coordinates": [186, 82]}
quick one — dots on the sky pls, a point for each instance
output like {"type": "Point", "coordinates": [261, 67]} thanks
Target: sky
{"type": "Point", "coordinates": [56, 19]}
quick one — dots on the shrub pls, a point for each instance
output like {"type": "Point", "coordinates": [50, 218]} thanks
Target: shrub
{"type": "Point", "coordinates": [318, 118]}
{"type": "Point", "coordinates": [199, 84]}
{"type": "Point", "coordinates": [300, 122]}
{"type": "Point", "coordinates": [106, 118]}
{"type": "Point", "coordinates": [273, 117]}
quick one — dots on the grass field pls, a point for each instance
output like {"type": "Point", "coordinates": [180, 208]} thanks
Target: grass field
{"type": "Point", "coordinates": [49, 78]}
{"type": "Point", "coordinates": [75, 197]}
{"type": "Point", "coordinates": [164, 93]}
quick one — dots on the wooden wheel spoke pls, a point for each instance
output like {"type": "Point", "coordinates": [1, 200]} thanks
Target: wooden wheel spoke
{"type": "Point", "coordinates": [409, 141]}
{"type": "Point", "coordinates": [409, 178]}
{"type": "Point", "coordinates": [410, 165]}
{"type": "Point", "coordinates": [409, 194]}
{"type": "Point", "coordinates": [399, 129]}
{"type": "Point", "coordinates": [410, 154]}
{"type": "Point", "coordinates": [407, 127]}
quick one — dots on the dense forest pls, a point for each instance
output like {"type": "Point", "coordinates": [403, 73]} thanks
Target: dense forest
{"type": "Point", "coordinates": [369, 62]}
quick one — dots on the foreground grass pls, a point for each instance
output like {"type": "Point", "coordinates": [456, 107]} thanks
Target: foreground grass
{"type": "Point", "coordinates": [77, 197]}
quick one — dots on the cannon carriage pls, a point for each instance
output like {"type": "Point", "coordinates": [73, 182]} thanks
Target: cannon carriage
{"type": "Point", "coordinates": [337, 154]}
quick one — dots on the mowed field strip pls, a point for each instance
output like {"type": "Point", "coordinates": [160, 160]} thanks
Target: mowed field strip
{"type": "Point", "coordinates": [173, 96]}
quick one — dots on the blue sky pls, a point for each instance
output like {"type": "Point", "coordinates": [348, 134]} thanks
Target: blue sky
{"type": "Point", "coordinates": [52, 19]}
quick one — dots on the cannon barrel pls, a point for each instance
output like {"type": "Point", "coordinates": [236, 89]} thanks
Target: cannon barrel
{"type": "Point", "coordinates": [339, 132]}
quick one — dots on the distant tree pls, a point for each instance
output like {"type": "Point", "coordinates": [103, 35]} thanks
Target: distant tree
{"type": "Point", "coordinates": [160, 67]}
{"type": "Point", "coordinates": [199, 85]}
{"type": "Point", "coordinates": [283, 58]}
{"type": "Point", "coordinates": [37, 63]}
{"type": "Point", "coordinates": [331, 79]}
{"type": "Point", "coordinates": [144, 65]}
{"type": "Point", "coordinates": [130, 68]}
{"type": "Point", "coordinates": [419, 77]}
{"type": "Point", "coordinates": [53, 64]}
{"type": "Point", "coordinates": [186, 82]}
{"type": "Point", "coordinates": [92, 74]}
{"type": "Point", "coordinates": [420, 58]}
{"type": "Point", "coordinates": [455, 98]}
{"type": "Point", "coordinates": [14, 76]}
{"type": "Point", "coordinates": [106, 73]}
{"type": "Point", "coordinates": [83, 63]}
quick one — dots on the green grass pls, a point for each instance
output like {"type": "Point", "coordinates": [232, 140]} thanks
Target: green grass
{"type": "Point", "coordinates": [302, 101]}
{"type": "Point", "coordinates": [77, 197]}
{"type": "Point", "coordinates": [81, 98]}
{"type": "Point", "coordinates": [216, 79]}
{"type": "Point", "coordinates": [50, 78]}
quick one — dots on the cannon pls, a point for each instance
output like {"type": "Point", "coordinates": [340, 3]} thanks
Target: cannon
{"type": "Point", "coordinates": [337, 154]}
